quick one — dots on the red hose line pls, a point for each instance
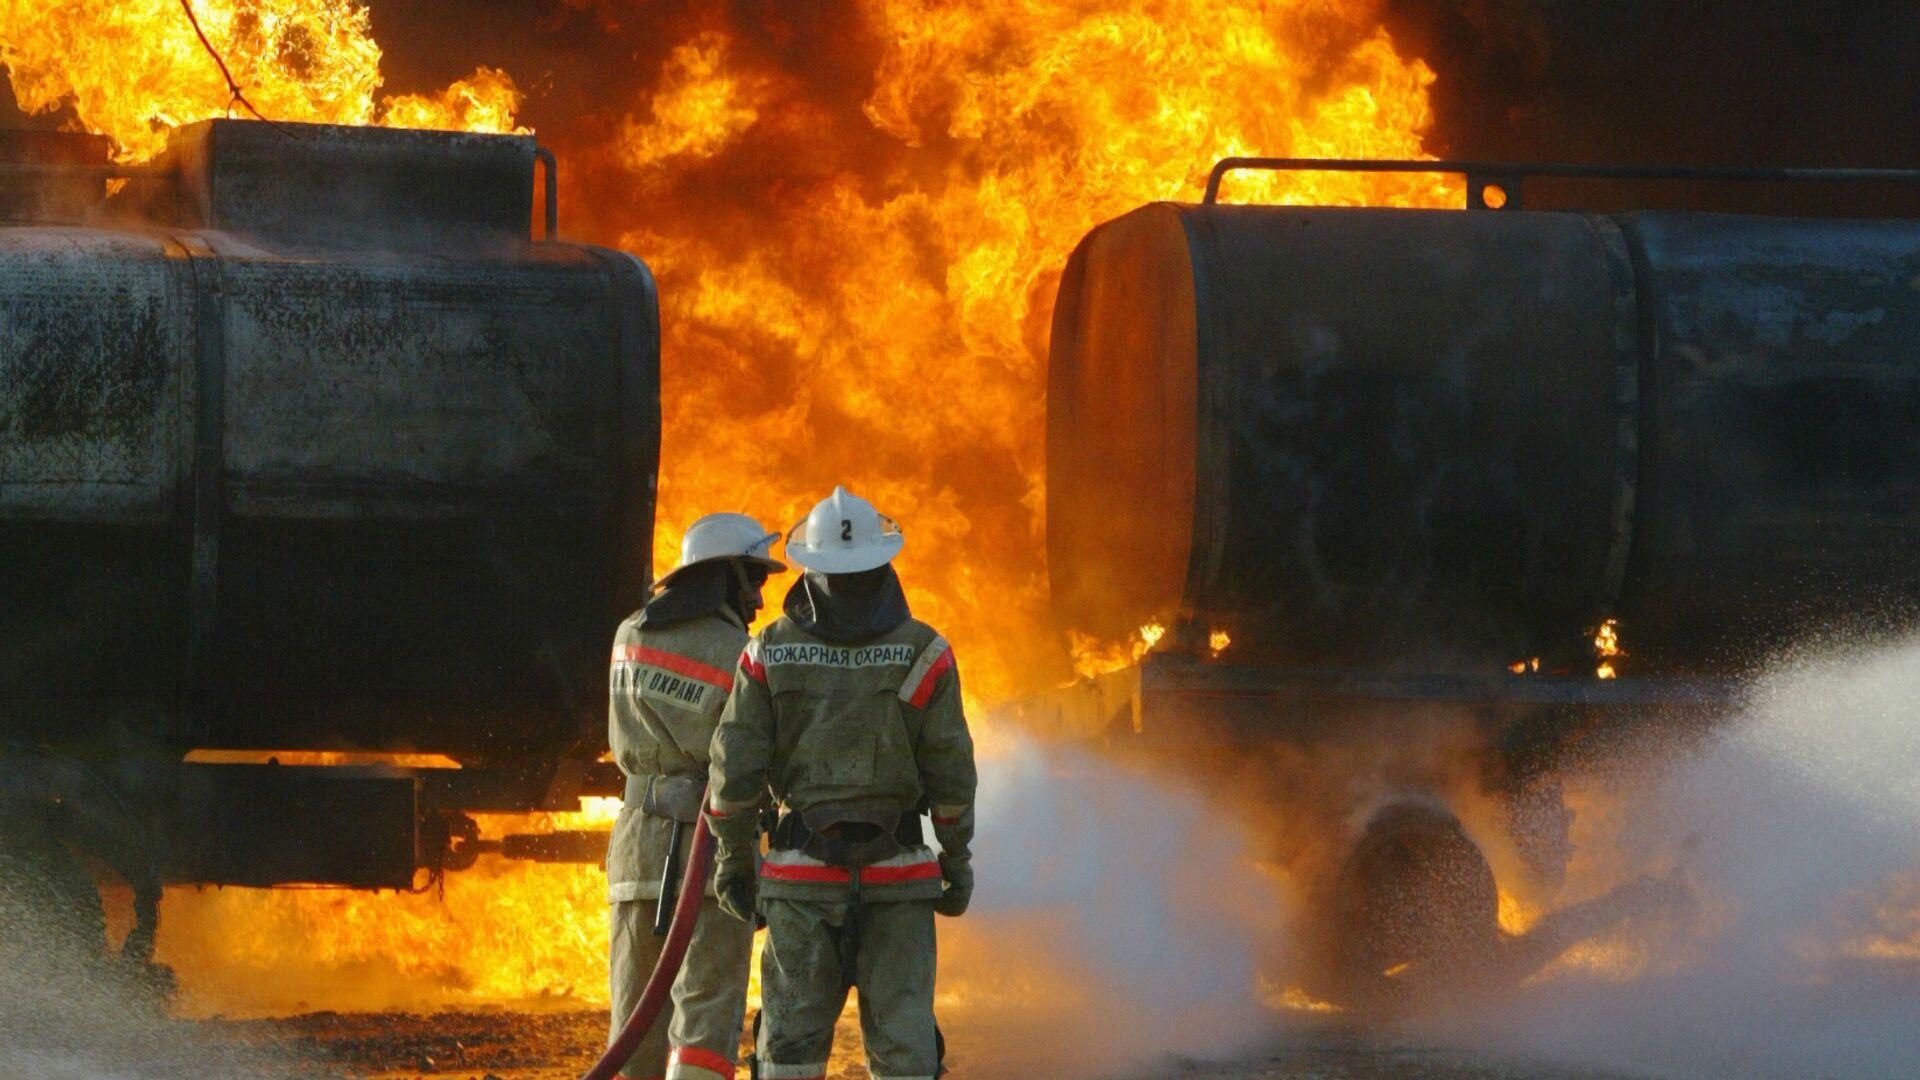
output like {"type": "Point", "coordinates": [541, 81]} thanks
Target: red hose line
{"type": "Point", "coordinates": [693, 887]}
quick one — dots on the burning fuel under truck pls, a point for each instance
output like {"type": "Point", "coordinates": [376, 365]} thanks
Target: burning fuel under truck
{"type": "Point", "coordinates": [310, 447]}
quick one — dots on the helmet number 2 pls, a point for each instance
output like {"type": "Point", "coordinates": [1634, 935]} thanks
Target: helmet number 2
{"type": "Point", "coordinates": [846, 530]}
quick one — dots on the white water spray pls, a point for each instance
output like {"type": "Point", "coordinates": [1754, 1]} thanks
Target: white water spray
{"type": "Point", "coordinates": [1118, 918]}
{"type": "Point", "coordinates": [1803, 820]}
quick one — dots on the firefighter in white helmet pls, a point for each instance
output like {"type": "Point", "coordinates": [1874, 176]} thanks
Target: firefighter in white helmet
{"type": "Point", "coordinates": [672, 669]}
{"type": "Point", "coordinates": [846, 712]}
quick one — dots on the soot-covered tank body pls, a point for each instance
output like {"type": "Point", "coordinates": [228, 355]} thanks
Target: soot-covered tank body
{"type": "Point", "coordinates": [1442, 441]}
{"type": "Point", "coordinates": [324, 453]}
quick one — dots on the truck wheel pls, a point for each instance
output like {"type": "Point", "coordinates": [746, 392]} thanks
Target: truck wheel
{"type": "Point", "coordinates": [1415, 908]}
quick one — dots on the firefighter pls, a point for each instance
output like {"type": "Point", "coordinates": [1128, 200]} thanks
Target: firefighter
{"type": "Point", "coordinates": [848, 711]}
{"type": "Point", "coordinates": [672, 663]}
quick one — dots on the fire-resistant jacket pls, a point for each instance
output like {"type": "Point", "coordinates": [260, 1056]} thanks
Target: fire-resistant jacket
{"type": "Point", "coordinates": [666, 691]}
{"type": "Point", "coordinates": [815, 722]}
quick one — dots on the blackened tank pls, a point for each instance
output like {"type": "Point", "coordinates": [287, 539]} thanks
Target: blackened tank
{"type": "Point", "coordinates": [320, 451]}
{"type": "Point", "coordinates": [1437, 440]}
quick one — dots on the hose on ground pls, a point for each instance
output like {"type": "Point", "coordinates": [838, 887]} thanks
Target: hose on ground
{"type": "Point", "coordinates": [672, 952]}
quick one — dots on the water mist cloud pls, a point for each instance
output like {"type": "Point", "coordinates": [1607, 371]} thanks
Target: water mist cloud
{"type": "Point", "coordinates": [1797, 825]}
{"type": "Point", "coordinates": [1127, 911]}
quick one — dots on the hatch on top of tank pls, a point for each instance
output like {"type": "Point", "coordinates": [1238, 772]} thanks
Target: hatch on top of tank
{"type": "Point", "coordinates": [352, 186]}
{"type": "Point", "coordinates": [284, 184]}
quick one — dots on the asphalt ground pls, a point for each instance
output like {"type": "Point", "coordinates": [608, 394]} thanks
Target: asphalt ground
{"type": "Point", "coordinates": [509, 1045]}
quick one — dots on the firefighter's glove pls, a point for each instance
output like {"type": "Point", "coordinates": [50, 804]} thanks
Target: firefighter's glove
{"type": "Point", "coordinates": [958, 876]}
{"type": "Point", "coordinates": [736, 883]}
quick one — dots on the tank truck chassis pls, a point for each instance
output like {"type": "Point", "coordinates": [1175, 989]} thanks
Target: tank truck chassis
{"type": "Point", "coordinates": [1406, 464]}
{"type": "Point", "coordinates": [324, 481]}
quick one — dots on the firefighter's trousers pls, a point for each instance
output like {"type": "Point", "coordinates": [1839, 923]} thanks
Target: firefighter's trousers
{"type": "Point", "coordinates": [702, 1022]}
{"type": "Point", "coordinates": [815, 950]}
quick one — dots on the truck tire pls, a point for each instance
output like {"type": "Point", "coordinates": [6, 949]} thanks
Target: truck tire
{"type": "Point", "coordinates": [1415, 907]}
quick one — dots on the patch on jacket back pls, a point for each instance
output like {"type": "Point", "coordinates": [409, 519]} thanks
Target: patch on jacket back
{"type": "Point", "coordinates": [837, 656]}
{"type": "Point", "coordinates": [668, 678]}
{"type": "Point", "coordinates": [655, 684]}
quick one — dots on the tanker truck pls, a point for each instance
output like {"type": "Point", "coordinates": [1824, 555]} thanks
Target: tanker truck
{"type": "Point", "coordinates": [322, 482]}
{"type": "Point", "coordinates": [1383, 475]}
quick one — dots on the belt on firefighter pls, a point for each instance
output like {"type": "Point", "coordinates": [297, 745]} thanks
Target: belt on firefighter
{"type": "Point", "coordinates": [847, 835]}
{"type": "Point", "coordinates": [676, 798]}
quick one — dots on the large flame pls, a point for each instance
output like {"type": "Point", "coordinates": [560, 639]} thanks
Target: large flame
{"type": "Point", "coordinates": [134, 69]}
{"type": "Point", "coordinates": [502, 931]}
{"type": "Point", "coordinates": [696, 110]}
{"type": "Point", "coordinates": [856, 289]}
{"type": "Point", "coordinates": [872, 310]}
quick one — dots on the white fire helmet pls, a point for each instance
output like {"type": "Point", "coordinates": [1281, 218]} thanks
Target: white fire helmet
{"type": "Point", "coordinates": [726, 536]}
{"type": "Point", "coordinates": [844, 535]}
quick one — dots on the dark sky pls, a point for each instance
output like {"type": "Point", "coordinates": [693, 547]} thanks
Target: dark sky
{"type": "Point", "coordinates": [1746, 82]}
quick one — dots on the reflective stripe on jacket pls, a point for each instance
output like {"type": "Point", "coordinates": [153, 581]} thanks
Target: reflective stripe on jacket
{"type": "Point", "coordinates": [914, 874]}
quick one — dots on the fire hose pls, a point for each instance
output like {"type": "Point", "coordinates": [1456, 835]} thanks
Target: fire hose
{"type": "Point", "coordinates": [672, 953]}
